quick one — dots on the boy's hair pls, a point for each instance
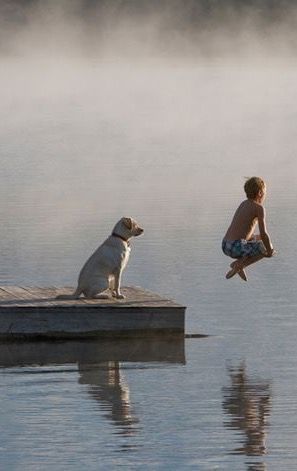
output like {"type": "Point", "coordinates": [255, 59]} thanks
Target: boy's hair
{"type": "Point", "coordinates": [252, 187]}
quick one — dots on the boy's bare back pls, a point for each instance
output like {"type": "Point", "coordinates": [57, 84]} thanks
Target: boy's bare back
{"type": "Point", "coordinates": [244, 221]}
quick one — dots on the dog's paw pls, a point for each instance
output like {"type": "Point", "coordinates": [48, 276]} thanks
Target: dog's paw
{"type": "Point", "coordinates": [118, 295]}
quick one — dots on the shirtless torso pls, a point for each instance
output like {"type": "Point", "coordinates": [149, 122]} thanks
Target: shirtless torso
{"type": "Point", "coordinates": [244, 221]}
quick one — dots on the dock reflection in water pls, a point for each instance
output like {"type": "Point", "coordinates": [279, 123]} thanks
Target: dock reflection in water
{"type": "Point", "coordinates": [99, 365]}
{"type": "Point", "coordinates": [247, 401]}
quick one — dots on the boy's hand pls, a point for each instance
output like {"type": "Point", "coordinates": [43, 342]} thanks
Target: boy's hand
{"type": "Point", "coordinates": [270, 253]}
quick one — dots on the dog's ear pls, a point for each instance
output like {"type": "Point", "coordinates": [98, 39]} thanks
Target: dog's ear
{"type": "Point", "coordinates": [128, 223]}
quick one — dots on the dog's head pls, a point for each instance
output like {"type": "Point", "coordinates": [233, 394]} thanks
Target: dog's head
{"type": "Point", "coordinates": [127, 228]}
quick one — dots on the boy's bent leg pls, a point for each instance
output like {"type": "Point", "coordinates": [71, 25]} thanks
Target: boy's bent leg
{"type": "Point", "coordinates": [239, 266]}
{"type": "Point", "coordinates": [250, 260]}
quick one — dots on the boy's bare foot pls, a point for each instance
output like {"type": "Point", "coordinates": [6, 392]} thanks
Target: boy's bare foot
{"type": "Point", "coordinates": [231, 273]}
{"type": "Point", "coordinates": [235, 269]}
{"type": "Point", "coordinates": [270, 254]}
{"type": "Point", "coordinates": [242, 274]}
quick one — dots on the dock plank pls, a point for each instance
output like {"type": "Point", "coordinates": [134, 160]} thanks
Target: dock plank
{"type": "Point", "coordinates": [15, 295]}
{"type": "Point", "coordinates": [24, 296]}
{"type": "Point", "coordinates": [44, 296]}
{"type": "Point", "coordinates": [4, 295]}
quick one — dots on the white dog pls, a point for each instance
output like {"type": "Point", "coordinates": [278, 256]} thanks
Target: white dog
{"type": "Point", "coordinates": [104, 268]}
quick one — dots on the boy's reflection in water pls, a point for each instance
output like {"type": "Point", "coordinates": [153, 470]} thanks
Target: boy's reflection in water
{"type": "Point", "coordinates": [256, 467]}
{"type": "Point", "coordinates": [247, 401]}
{"type": "Point", "coordinates": [107, 386]}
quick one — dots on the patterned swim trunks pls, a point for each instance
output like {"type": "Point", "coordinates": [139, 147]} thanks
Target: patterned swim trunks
{"type": "Point", "coordinates": [243, 248]}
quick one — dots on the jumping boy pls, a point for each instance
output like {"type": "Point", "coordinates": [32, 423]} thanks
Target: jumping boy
{"type": "Point", "coordinates": [239, 241]}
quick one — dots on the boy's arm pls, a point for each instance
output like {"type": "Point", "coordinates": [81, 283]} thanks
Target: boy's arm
{"type": "Point", "coordinates": [263, 232]}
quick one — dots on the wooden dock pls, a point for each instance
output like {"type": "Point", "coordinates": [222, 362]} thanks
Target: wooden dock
{"type": "Point", "coordinates": [34, 312]}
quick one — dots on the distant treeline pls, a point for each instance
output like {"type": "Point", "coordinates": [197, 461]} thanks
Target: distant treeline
{"type": "Point", "coordinates": [194, 11]}
{"type": "Point", "coordinates": [177, 26]}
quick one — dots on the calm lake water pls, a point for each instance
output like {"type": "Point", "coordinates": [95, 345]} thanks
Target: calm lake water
{"type": "Point", "coordinates": [84, 143]}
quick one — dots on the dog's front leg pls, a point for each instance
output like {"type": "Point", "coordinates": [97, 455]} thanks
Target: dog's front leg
{"type": "Point", "coordinates": [117, 284]}
{"type": "Point", "coordinates": [111, 283]}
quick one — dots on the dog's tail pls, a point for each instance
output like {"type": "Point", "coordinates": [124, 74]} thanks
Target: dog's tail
{"type": "Point", "coordinates": [74, 295]}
